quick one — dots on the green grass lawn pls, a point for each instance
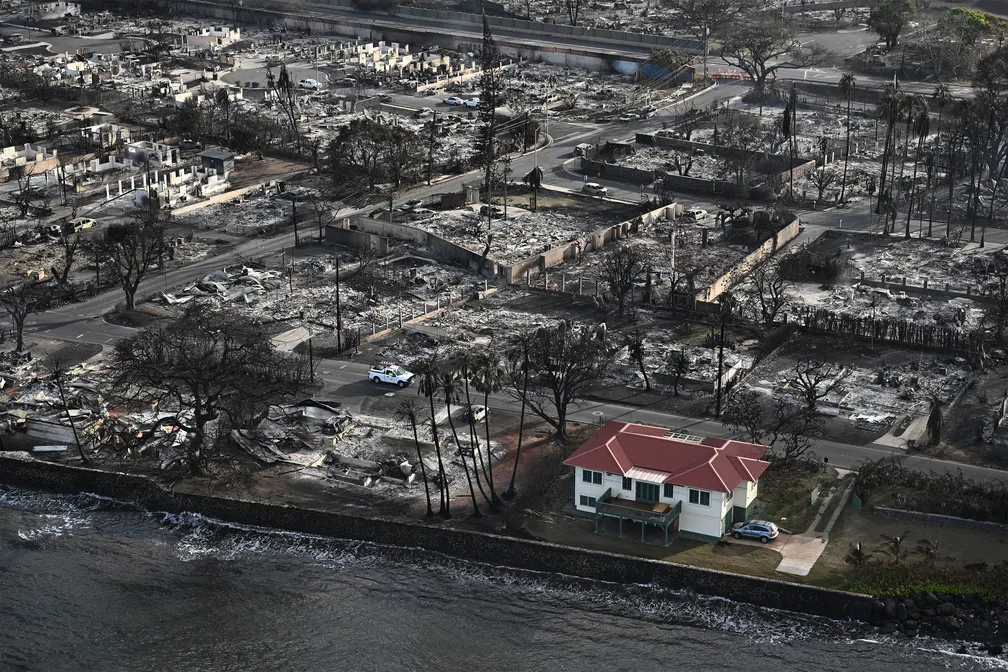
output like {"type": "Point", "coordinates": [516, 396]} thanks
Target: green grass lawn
{"type": "Point", "coordinates": [787, 491]}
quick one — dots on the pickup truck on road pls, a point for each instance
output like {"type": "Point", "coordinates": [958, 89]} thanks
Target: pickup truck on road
{"type": "Point", "coordinates": [387, 372]}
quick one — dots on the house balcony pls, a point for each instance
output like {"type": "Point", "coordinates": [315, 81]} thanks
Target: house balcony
{"type": "Point", "coordinates": [659, 514]}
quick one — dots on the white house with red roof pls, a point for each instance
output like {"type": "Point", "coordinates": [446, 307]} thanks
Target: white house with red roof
{"type": "Point", "coordinates": [675, 482]}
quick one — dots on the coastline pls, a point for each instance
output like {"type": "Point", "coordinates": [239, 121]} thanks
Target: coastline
{"type": "Point", "coordinates": [494, 549]}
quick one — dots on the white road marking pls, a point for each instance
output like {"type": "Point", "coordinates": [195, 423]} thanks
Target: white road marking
{"type": "Point", "coordinates": [342, 367]}
{"type": "Point", "coordinates": [80, 336]}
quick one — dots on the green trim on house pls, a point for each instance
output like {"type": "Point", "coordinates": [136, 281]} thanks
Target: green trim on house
{"type": "Point", "coordinates": [740, 514]}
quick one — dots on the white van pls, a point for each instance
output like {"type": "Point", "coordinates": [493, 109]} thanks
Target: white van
{"type": "Point", "coordinates": [694, 215]}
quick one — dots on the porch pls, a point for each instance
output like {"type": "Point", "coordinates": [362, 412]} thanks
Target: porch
{"type": "Point", "coordinates": [659, 514]}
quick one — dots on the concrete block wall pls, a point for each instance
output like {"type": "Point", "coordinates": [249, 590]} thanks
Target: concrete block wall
{"type": "Point", "coordinates": [757, 256]}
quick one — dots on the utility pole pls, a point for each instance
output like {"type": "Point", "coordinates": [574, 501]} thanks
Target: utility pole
{"type": "Point", "coordinates": [430, 149]}
{"type": "Point", "coordinates": [725, 314]}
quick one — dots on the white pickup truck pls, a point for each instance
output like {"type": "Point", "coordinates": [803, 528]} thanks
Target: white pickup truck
{"type": "Point", "coordinates": [387, 372]}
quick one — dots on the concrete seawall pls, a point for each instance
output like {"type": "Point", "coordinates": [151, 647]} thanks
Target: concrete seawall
{"type": "Point", "coordinates": [469, 545]}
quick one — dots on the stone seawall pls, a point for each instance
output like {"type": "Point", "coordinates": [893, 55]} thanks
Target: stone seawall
{"type": "Point", "coordinates": [940, 520]}
{"type": "Point", "coordinates": [476, 546]}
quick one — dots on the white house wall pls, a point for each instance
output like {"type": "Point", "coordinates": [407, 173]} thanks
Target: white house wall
{"type": "Point", "coordinates": [695, 518]}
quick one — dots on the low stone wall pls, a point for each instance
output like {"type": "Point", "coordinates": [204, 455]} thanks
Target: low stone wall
{"type": "Point", "coordinates": [338, 235]}
{"type": "Point", "coordinates": [767, 249]}
{"type": "Point", "coordinates": [939, 519]}
{"type": "Point", "coordinates": [476, 546]}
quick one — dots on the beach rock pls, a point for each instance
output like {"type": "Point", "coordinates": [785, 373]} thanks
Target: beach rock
{"type": "Point", "coordinates": [946, 609]}
{"type": "Point", "coordinates": [953, 624]}
{"type": "Point", "coordinates": [931, 599]}
{"type": "Point", "coordinates": [994, 649]}
{"type": "Point", "coordinates": [910, 604]}
{"type": "Point", "coordinates": [929, 612]}
{"type": "Point", "coordinates": [901, 612]}
{"type": "Point", "coordinates": [890, 607]}
{"type": "Point", "coordinates": [887, 629]}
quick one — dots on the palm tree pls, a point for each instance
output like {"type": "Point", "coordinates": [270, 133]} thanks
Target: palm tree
{"type": "Point", "coordinates": [223, 101]}
{"type": "Point", "coordinates": [895, 547]}
{"type": "Point", "coordinates": [921, 130]}
{"type": "Point", "coordinates": [912, 105]}
{"type": "Point", "coordinates": [847, 85]}
{"type": "Point", "coordinates": [465, 372]}
{"type": "Point", "coordinates": [488, 378]}
{"type": "Point", "coordinates": [944, 97]}
{"type": "Point", "coordinates": [929, 549]}
{"type": "Point", "coordinates": [887, 107]}
{"type": "Point", "coordinates": [450, 389]}
{"type": "Point", "coordinates": [427, 370]}
{"type": "Point", "coordinates": [519, 356]}
{"type": "Point", "coordinates": [857, 556]}
{"type": "Point", "coordinates": [409, 412]}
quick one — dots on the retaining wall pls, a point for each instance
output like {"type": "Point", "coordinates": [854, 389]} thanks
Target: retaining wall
{"type": "Point", "coordinates": [441, 248]}
{"type": "Point", "coordinates": [939, 519]}
{"type": "Point", "coordinates": [338, 235]}
{"type": "Point", "coordinates": [476, 546]}
{"type": "Point", "coordinates": [757, 256]}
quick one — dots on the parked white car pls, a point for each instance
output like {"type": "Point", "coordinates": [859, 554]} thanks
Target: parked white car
{"type": "Point", "coordinates": [472, 102]}
{"type": "Point", "coordinates": [595, 189]}
{"type": "Point", "coordinates": [694, 215]}
{"type": "Point", "coordinates": [309, 84]}
{"type": "Point", "coordinates": [387, 372]}
{"type": "Point", "coordinates": [79, 223]}
{"type": "Point", "coordinates": [453, 100]}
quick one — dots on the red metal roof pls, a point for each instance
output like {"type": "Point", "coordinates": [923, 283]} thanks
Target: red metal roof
{"type": "Point", "coordinates": [714, 464]}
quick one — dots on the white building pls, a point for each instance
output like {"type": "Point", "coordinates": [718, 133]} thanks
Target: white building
{"type": "Point", "coordinates": [650, 476]}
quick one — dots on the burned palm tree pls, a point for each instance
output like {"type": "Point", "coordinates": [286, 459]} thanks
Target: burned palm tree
{"type": "Point", "coordinates": [847, 85]}
{"type": "Point", "coordinates": [921, 130]}
{"type": "Point", "coordinates": [488, 378]}
{"type": "Point", "coordinates": [944, 97]}
{"type": "Point", "coordinates": [450, 390]}
{"type": "Point", "coordinates": [427, 370]}
{"type": "Point", "coordinates": [888, 107]}
{"type": "Point", "coordinates": [913, 106]}
{"type": "Point", "coordinates": [409, 413]}
{"type": "Point", "coordinates": [465, 369]}
{"type": "Point", "coordinates": [518, 365]}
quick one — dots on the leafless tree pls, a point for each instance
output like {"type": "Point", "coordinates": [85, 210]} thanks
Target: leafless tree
{"type": "Point", "coordinates": [206, 366]}
{"type": "Point", "coordinates": [822, 178]}
{"type": "Point", "coordinates": [814, 379]}
{"type": "Point", "coordinates": [621, 269]}
{"type": "Point", "coordinates": [772, 294]}
{"type": "Point", "coordinates": [69, 244]}
{"type": "Point", "coordinates": [134, 247]}
{"type": "Point", "coordinates": [566, 363]}
{"type": "Point", "coordinates": [743, 134]}
{"type": "Point", "coordinates": [21, 300]}
{"type": "Point", "coordinates": [58, 369]}
{"type": "Point", "coordinates": [635, 348]}
{"type": "Point", "coordinates": [678, 365]}
{"type": "Point", "coordinates": [573, 8]}
{"type": "Point", "coordinates": [24, 194]}
{"type": "Point", "coordinates": [788, 427]}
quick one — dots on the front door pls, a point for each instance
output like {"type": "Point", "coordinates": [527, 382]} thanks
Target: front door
{"type": "Point", "coordinates": [647, 492]}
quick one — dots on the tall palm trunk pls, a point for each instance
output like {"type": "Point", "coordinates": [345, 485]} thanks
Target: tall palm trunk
{"type": "Point", "coordinates": [934, 187]}
{"type": "Point", "coordinates": [474, 438]}
{"type": "Point", "coordinates": [423, 469]}
{"type": "Point", "coordinates": [465, 465]}
{"type": "Point", "coordinates": [906, 152]}
{"type": "Point", "coordinates": [486, 424]}
{"type": "Point", "coordinates": [445, 509]}
{"type": "Point", "coordinates": [843, 183]}
{"type": "Point", "coordinates": [886, 156]}
{"type": "Point", "coordinates": [913, 188]}
{"type": "Point", "coordinates": [510, 492]}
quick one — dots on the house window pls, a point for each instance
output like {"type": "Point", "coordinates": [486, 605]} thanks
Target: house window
{"type": "Point", "coordinates": [701, 497]}
{"type": "Point", "coordinates": [587, 501]}
{"type": "Point", "coordinates": [627, 483]}
{"type": "Point", "coordinates": [591, 477]}
{"type": "Point", "coordinates": [669, 491]}
{"type": "Point", "coordinates": [586, 476]}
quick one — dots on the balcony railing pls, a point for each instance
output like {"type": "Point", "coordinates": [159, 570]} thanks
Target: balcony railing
{"type": "Point", "coordinates": [604, 506]}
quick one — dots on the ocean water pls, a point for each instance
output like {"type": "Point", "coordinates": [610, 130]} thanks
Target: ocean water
{"type": "Point", "coordinates": [93, 584]}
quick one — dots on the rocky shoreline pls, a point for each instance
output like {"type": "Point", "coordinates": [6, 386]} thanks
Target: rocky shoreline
{"type": "Point", "coordinates": [945, 616]}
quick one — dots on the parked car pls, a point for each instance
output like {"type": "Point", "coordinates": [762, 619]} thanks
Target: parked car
{"type": "Point", "coordinates": [695, 215]}
{"type": "Point", "coordinates": [582, 149]}
{"type": "Point", "coordinates": [472, 102]}
{"type": "Point", "coordinates": [595, 189]}
{"type": "Point", "coordinates": [413, 202]}
{"type": "Point", "coordinates": [763, 530]}
{"type": "Point", "coordinates": [453, 100]}
{"type": "Point", "coordinates": [423, 113]}
{"type": "Point", "coordinates": [387, 372]}
{"type": "Point", "coordinates": [308, 84]}
{"type": "Point", "coordinates": [631, 116]}
{"type": "Point", "coordinates": [79, 223]}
